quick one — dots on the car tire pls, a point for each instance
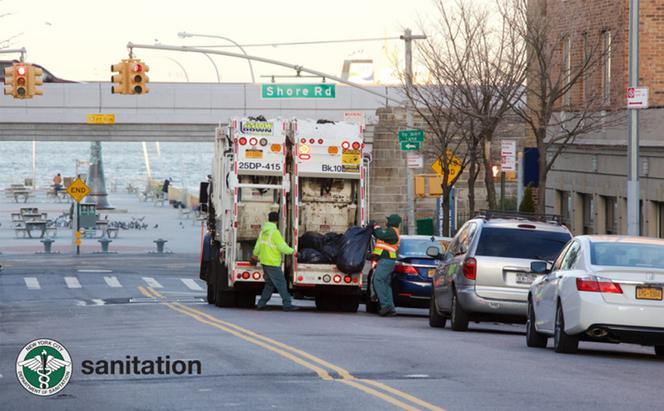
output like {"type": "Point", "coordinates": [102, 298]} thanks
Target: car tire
{"type": "Point", "coordinates": [210, 293]}
{"type": "Point", "coordinates": [659, 351]}
{"type": "Point", "coordinates": [436, 320]}
{"type": "Point", "coordinates": [563, 342]}
{"type": "Point", "coordinates": [458, 317]}
{"type": "Point", "coordinates": [534, 338]}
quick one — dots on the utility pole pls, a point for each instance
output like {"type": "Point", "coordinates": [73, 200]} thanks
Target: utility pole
{"type": "Point", "coordinates": [633, 189]}
{"type": "Point", "coordinates": [408, 38]}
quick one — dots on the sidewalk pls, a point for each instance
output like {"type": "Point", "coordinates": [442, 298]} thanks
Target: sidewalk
{"type": "Point", "coordinates": [183, 233]}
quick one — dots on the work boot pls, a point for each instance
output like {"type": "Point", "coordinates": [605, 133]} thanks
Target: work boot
{"type": "Point", "coordinates": [291, 308]}
{"type": "Point", "coordinates": [261, 307]}
{"type": "Point", "coordinates": [387, 312]}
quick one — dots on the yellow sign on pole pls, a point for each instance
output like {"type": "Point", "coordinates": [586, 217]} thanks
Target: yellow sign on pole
{"type": "Point", "coordinates": [454, 166]}
{"type": "Point", "coordinates": [100, 119]}
{"type": "Point", "coordinates": [78, 190]}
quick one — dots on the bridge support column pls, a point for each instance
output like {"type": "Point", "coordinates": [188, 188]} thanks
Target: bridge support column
{"type": "Point", "coordinates": [96, 182]}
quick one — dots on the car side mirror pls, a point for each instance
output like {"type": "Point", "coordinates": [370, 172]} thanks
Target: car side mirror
{"type": "Point", "coordinates": [539, 267]}
{"type": "Point", "coordinates": [433, 252]}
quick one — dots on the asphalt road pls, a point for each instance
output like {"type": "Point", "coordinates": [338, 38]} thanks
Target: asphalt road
{"type": "Point", "coordinates": [111, 307]}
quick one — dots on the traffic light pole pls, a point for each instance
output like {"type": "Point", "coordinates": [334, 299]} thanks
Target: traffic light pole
{"type": "Point", "coordinates": [296, 67]}
{"type": "Point", "coordinates": [22, 50]}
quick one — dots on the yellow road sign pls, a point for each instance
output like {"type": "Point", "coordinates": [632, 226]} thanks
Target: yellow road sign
{"type": "Point", "coordinates": [100, 118]}
{"type": "Point", "coordinates": [78, 190]}
{"type": "Point", "coordinates": [454, 164]}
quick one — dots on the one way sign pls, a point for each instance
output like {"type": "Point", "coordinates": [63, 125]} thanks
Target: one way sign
{"type": "Point", "coordinates": [408, 146]}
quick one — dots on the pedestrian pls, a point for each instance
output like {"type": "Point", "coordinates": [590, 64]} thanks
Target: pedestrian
{"type": "Point", "coordinates": [164, 187]}
{"type": "Point", "coordinates": [270, 245]}
{"type": "Point", "coordinates": [385, 252]}
{"type": "Point", "coordinates": [57, 183]}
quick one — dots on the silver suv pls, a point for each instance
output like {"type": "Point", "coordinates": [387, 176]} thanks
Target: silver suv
{"type": "Point", "coordinates": [485, 273]}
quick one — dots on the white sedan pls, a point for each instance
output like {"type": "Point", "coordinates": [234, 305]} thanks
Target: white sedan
{"type": "Point", "coordinates": [601, 289]}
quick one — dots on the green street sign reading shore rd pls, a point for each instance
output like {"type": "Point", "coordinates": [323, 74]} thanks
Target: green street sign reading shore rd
{"type": "Point", "coordinates": [408, 146]}
{"type": "Point", "coordinates": [276, 91]}
{"type": "Point", "coordinates": [411, 136]}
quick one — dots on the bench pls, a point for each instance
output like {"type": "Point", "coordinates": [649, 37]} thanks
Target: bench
{"type": "Point", "coordinates": [58, 195]}
{"type": "Point", "coordinates": [51, 232]}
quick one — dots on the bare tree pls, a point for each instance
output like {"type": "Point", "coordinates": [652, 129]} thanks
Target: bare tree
{"type": "Point", "coordinates": [481, 57]}
{"type": "Point", "coordinates": [563, 99]}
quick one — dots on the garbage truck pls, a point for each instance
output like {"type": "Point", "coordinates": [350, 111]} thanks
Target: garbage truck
{"type": "Point", "coordinates": [313, 174]}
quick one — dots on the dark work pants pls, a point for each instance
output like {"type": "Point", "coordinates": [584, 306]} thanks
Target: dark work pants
{"type": "Point", "coordinates": [274, 279]}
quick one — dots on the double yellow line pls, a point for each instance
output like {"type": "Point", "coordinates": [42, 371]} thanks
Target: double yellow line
{"type": "Point", "coordinates": [322, 368]}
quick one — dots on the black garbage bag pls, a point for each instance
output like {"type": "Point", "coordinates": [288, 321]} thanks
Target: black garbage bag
{"type": "Point", "coordinates": [311, 256]}
{"type": "Point", "coordinates": [312, 240]}
{"type": "Point", "coordinates": [332, 246]}
{"type": "Point", "coordinates": [354, 248]}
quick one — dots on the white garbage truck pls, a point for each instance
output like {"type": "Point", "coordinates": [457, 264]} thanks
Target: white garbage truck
{"type": "Point", "coordinates": [313, 174]}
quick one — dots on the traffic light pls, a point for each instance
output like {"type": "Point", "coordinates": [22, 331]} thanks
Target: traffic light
{"type": "Point", "coordinates": [34, 80]}
{"type": "Point", "coordinates": [21, 75]}
{"type": "Point", "coordinates": [138, 77]}
{"type": "Point", "coordinates": [10, 81]}
{"type": "Point", "coordinates": [120, 81]}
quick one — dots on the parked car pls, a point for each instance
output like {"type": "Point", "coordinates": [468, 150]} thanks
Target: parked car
{"type": "Point", "coordinates": [602, 289]}
{"type": "Point", "coordinates": [411, 281]}
{"type": "Point", "coordinates": [47, 76]}
{"type": "Point", "coordinates": [485, 274]}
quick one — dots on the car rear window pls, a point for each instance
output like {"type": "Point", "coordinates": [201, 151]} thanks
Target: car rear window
{"type": "Point", "coordinates": [417, 248]}
{"type": "Point", "coordinates": [525, 243]}
{"type": "Point", "coordinates": [627, 255]}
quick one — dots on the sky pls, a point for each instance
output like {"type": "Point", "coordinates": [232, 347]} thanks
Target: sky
{"type": "Point", "coordinates": [80, 39]}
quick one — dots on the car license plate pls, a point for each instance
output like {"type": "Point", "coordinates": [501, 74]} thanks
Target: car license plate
{"type": "Point", "coordinates": [524, 278]}
{"type": "Point", "coordinates": [649, 293]}
{"type": "Point", "coordinates": [254, 154]}
{"type": "Point", "coordinates": [431, 272]}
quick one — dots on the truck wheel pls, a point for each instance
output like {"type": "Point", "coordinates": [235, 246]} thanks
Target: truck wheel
{"type": "Point", "coordinates": [349, 304]}
{"type": "Point", "coordinates": [659, 351]}
{"type": "Point", "coordinates": [246, 300]}
{"type": "Point", "coordinates": [210, 293]}
{"type": "Point", "coordinates": [458, 318]}
{"type": "Point", "coordinates": [325, 303]}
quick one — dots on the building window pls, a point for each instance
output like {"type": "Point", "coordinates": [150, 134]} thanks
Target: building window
{"type": "Point", "coordinates": [565, 206]}
{"type": "Point", "coordinates": [611, 215]}
{"type": "Point", "coordinates": [584, 79]}
{"type": "Point", "coordinates": [606, 74]}
{"type": "Point", "coordinates": [567, 69]}
{"type": "Point", "coordinates": [588, 214]}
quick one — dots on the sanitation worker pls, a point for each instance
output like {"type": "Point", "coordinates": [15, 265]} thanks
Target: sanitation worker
{"type": "Point", "coordinates": [268, 250]}
{"type": "Point", "coordinates": [385, 252]}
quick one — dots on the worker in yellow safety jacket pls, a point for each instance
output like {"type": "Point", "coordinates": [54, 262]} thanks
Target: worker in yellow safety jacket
{"type": "Point", "coordinates": [385, 252]}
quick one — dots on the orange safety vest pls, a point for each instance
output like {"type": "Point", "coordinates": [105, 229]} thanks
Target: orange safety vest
{"type": "Point", "coordinates": [392, 249]}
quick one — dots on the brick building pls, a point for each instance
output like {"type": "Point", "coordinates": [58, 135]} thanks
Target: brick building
{"type": "Point", "coordinates": [588, 182]}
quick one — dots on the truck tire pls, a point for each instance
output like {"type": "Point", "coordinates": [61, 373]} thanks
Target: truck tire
{"type": "Point", "coordinates": [224, 298]}
{"type": "Point", "coordinates": [245, 300]}
{"type": "Point", "coordinates": [210, 292]}
{"type": "Point", "coordinates": [325, 303]}
{"type": "Point", "coordinates": [349, 303]}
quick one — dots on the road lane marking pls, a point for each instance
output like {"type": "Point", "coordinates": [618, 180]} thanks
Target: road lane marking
{"type": "Point", "coordinates": [72, 282]}
{"type": "Point", "coordinates": [152, 283]}
{"type": "Point", "coordinates": [112, 281]}
{"type": "Point", "coordinates": [283, 350]}
{"type": "Point", "coordinates": [32, 283]}
{"type": "Point", "coordinates": [191, 284]}
{"type": "Point", "coordinates": [91, 270]}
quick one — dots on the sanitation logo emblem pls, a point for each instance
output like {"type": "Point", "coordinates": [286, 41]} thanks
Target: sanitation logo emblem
{"type": "Point", "coordinates": [43, 367]}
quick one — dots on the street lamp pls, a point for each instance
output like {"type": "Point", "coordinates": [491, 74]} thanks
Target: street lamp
{"type": "Point", "coordinates": [184, 34]}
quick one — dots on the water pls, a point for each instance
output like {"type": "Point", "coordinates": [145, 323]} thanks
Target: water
{"type": "Point", "coordinates": [186, 163]}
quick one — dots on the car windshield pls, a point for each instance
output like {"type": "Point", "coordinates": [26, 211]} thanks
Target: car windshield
{"type": "Point", "coordinates": [521, 243]}
{"type": "Point", "coordinates": [416, 248]}
{"type": "Point", "coordinates": [627, 254]}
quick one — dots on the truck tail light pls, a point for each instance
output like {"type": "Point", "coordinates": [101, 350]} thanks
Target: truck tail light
{"type": "Point", "coordinates": [312, 141]}
{"type": "Point", "coordinates": [356, 145]}
{"type": "Point", "coordinates": [253, 141]}
{"type": "Point", "coordinates": [257, 275]}
{"type": "Point", "coordinates": [245, 275]}
{"type": "Point", "coordinates": [470, 268]}
{"type": "Point", "coordinates": [403, 268]}
{"type": "Point", "coordinates": [275, 148]}
{"type": "Point", "coordinates": [345, 145]}
{"type": "Point", "coordinates": [303, 140]}
{"type": "Point", "coordinates": [337, 278]}
{"type": "Point", "coordinates": [242, 141]}
{"type": "Point", "coordinates": [594, 285]}
{"type": "Point", "coordinates": [320, 141]}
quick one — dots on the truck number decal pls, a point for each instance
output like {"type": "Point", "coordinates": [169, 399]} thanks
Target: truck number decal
{"type": "Point", "coordinates": [331, 169]}
{"type": "Point", "coordinates": [248, 165]}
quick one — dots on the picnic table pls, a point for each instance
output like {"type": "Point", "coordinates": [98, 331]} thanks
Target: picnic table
{"type": "Point", "coordinates": [39, 226]}
{"type": "Point", "coordinates": [21, 193]}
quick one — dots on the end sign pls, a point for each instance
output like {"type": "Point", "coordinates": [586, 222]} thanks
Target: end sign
{"type": "Point", "coordinates": [78, 190]}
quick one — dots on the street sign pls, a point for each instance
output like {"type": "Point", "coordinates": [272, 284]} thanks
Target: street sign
{"type": "Point", "coordinates": [100, 119]}
{"type": "Point", "coordinates": [415, 160]}
{"type": "Point", "coordinates": [637, 97]}
{"type": "Point", "coordinates": [411, 136]}
{"type": "Point", "coordinates": [508, 155]}
{"type": "Point", "coordinates": [356, 117]}
{"type": "Point", "coordinates": [78, 190]}
{"type": "Point", "coordinates": [408, 146]}
{"type": "Point", "coordinates": [454, 166]}
{"type": "Point", "coordinates": [293, 91]}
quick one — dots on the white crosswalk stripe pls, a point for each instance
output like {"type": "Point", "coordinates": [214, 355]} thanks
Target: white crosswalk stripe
{"type": "Point", "coordinates": [112, 281]}
{"type": "Point", "coordinates": [72, 282]}
{"type": "Point", "coordinates": [191, 284]}
{"type": "Point", "coordinates": [151, 282]}
{"type": "Point", "coordinates": [32, 283]}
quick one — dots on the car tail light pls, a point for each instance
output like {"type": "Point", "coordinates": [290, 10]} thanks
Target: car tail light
{"type": "Point", "coordinates": [594, 285]}
{"type": "Point", "coordinates": [402, 268]}
{"type": "Point", "coordinates": [253, 141]}
{"type": "Point", "coordinates": [356, 146]}
{"type": "Point", "coordinates": [470, 268]}
{"type": "Point", "coordinates": [345, 145]}
{"type": "Point", "coordinates": [242, 141]}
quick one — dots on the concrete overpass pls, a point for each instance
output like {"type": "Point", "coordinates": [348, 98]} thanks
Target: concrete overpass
{"type": "Point", "coordinates": [170, 112]}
